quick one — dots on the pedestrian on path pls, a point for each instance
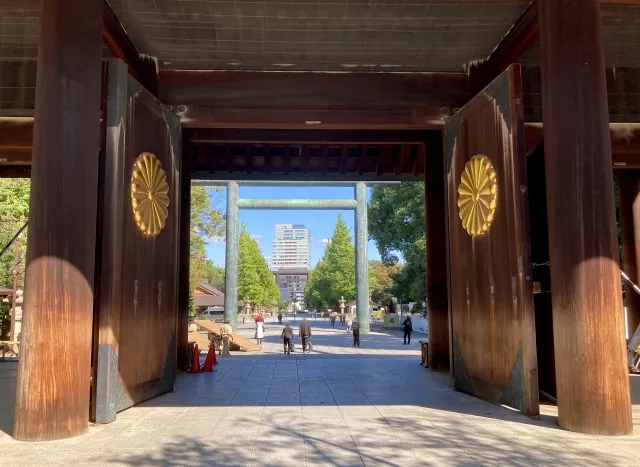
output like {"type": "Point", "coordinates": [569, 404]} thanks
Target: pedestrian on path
{"type": "Point", "coordinates": [408, 328]}
{"type": "Point", "coordinates": [259, 331]}
{"type": "Point", "coordinates": [356, 333]}
{"type": "Point", "coordinates": [349, 323]}
{"type": "Point", "coordinates": [287, 338]}
{"type": "Point", "coordinates": [332, 319]}
{"type": "Point", "coordinates": [280, 318]}
{"type": "Point", "coordinates": [226, 333]}
{"type": "Point", "coordinates": [305, 335]}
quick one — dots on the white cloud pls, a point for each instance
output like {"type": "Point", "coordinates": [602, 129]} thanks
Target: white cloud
{"type": "Point", "coordinates": [324, 241]}
{"type": "Point", "coordinates": [216, 240]}
{"type": "Point", "coordinates": [256, 237]}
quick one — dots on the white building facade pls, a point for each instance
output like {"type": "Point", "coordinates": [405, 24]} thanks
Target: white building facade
{"type": "Point", "coordinates": [291, 247]}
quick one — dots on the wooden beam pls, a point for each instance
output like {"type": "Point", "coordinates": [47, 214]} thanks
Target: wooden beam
{"type": "Point", "coordinates": [267, 158]}
{"type": "Point", "coordinates": [143, 68]}
{"type": "Point", "coordinates": [625, 141]}
{"type": "Point", "coordinates": [248, 154]}
{"type": "Point", "coordinates": [15, 157]}
{"type": "Point", "coordinates": [585, 274]}
{"type": "Point", "coordinates": [524, 32]}
{"type": "Point", "coordinates": [419, 162]}
{"type": "Point", "coordinates": [305, 158]}
{"type": "Point", "coordinates": [361, 159]}
{"type": "Point", "coordinates": [401, 158]}
{"type": "Point", "coordinates": [53, 397]}
{"type": "Point", "coordinates": [324, 161]}
{"type": "Point", "coordinates": [16, 133]}
{"type": "Point", "coordinates": [210, 157]}
{"type": "Point", "coordinates": [333, 137]}
{"type": "Point", "coordinates": [242, 99]}
{"type": "Point", "coordinates": [344, 154]}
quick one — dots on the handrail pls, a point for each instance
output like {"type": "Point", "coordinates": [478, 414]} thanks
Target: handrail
{"type": "Point", "coordinates": [630, 282]}
{"type": "Point", "coordinates": [8, 245]}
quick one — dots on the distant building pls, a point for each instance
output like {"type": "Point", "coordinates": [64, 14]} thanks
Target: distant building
{"type": "Point", "coordinates": [207, 296]}
{"type": "Point", "coordinates": [291, 282]}
{"type": "Point", "coordinates": [291, 247]}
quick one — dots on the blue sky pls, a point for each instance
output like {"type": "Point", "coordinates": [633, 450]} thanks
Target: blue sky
{"type": "Point", "coordinates": [260, 224]}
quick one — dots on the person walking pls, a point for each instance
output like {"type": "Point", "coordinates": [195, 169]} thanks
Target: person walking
{"type": "Point", "coordinates": [259, 331]}
{"type": "Point", "coordinates": [408, 328]}
{"type": "Point", "coordinates": [280, 318]}
{"type": "Point", "coordinates": [356, 333]}
{"type": "Point", "coordinates": [305, 335]}
{"type": "Point", "coordinates": [226, 333]}
{"type": "Point", "coordinates": [287, 338]}
{"type": "Point", "coordinates": [332, 319]}
{"type": "Point", "coordinates": [349, 323]}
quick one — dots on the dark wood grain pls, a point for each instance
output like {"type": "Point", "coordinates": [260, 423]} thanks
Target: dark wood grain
{"type": "Point", "coordinates": [491, 293]}
{"type": "Point", "coordinates": [593, 395]}
{"type": "Point", "coordinates": [629, 185]}
{"type": "Point", "coordinates": [183, 266]}
{"type": "Point", "coordinates": [16, 133]}
{"type": "Point", "coordinates": [519, 38]}
{"type": "Point", "coordinates": [235, 99]}
{"type": "Point", "coordinates": [55, 363]}
{"type": "Point", "coordinates": [437, 298]}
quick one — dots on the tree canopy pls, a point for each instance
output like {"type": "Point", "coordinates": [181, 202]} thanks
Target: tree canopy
{"type": "Point", "coordinates": [385, 286]}
{"type": "Point", "coordinates": [14, 212]}
{"type": "Point", "coordinates": [397, 225]}
{"type": "Point", "coordinates": [255, 280]}
{"type": "Point", "coordinates": [335, 274]}
{"type": "Point", "coordinates": [207, 223]}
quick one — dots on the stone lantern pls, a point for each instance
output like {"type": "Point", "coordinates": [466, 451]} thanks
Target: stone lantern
{"type": "Point", "coordinates": [341, 302]}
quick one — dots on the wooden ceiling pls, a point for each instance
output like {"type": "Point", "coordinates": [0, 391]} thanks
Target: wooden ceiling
{"type": "Point", "coordinates": [218, 154]}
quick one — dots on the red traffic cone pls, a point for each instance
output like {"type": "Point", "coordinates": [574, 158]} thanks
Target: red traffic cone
{"type": "Point", "coordinates": [210, 360]}
{"type": "Point", "coordinates": [195, 360]}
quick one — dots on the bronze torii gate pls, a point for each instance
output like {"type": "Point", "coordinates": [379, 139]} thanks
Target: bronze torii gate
{"type": "Point", "coordinates": [235, 203]}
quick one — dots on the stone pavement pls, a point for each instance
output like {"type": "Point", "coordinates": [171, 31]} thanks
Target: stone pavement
{"type": "Point", "coordinates": [339, 406]}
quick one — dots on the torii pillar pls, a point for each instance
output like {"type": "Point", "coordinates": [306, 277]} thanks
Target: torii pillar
{"type": "Point", "coordinates": [54, 374]}
{"type": "Point", "coordinates": [591, 370]}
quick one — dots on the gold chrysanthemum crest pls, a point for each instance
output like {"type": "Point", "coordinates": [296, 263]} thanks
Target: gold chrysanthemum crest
{"type": "Point", "coordinates": [149, 194]}
{"type": "Point", "coordinates": [477, 195]}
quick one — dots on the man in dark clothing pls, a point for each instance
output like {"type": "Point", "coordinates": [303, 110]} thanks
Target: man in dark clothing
{"type": "Point", "coordinates": [356, 333]}
{"type": "Point", "coordinates": [408, 327]}
{"type": "Point", "coordinates": [305, 334]}
{"type": "Point", "coordinates": [287, 338]}
{"type": "Point", "coordinates": [279, 318]}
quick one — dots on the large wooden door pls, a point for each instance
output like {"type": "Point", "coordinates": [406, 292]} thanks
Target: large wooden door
{"type": "Point", "coordinates": [491, 305]}
{"type": "Point", "coordinates": [136, 303]}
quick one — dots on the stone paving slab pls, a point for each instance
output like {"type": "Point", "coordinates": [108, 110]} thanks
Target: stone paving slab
{"type": "Point", "coordinates": [338, 406]}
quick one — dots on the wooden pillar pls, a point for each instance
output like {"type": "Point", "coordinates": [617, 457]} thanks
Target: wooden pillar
{"type": "Point", "coordinates": [184, 239]}
{"type": "Point", "coordinates": [591, 371]}
{"type": "Point", "coordinates": [52, 399]}
{"type": "Point", "coordinates": [629, 185]}
{"type": "Point", "coordinates": [437, 290]}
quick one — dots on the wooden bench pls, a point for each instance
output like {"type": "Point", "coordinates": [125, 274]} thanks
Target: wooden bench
{"type": "Point", "coordinates": [424, 346]}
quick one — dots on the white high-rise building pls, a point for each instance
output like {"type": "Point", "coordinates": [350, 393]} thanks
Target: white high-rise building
{"type": "Point", "coordinates": [291, 247]}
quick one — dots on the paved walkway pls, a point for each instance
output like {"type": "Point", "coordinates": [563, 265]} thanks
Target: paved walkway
{"type": "Point", "coordinates": [339, 406]}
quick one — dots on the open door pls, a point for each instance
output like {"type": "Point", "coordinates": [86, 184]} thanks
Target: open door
{"type": "Point", "coordinates": [491, 291]}
{"type": "Point", "coordinates": [137, 261]}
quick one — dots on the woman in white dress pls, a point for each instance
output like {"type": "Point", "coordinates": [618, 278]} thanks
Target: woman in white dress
{"type": "Point", "coordinates": [259, 332]}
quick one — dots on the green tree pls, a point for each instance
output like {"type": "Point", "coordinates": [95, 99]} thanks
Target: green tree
{"type": "Point", "coordinates": [384, 274]}
{"type": "Point", "coordinates": [397, 225]}
{"type": "Point", "coordinates": [14, 212]}
{"type": "Point", "coordinates": [214, 275]}
{"type": "Point", "coordinates": [255, 280]}
{"type": "Point", "coordinates": [335, 274]}
{"type": "Point", "coordinates": [207, 223]}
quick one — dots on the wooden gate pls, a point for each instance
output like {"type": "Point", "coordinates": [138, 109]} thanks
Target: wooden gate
{"type": "Point", "coordinates": [137, 263]}
{"type": "Point", "coordinates": [491, 304]}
